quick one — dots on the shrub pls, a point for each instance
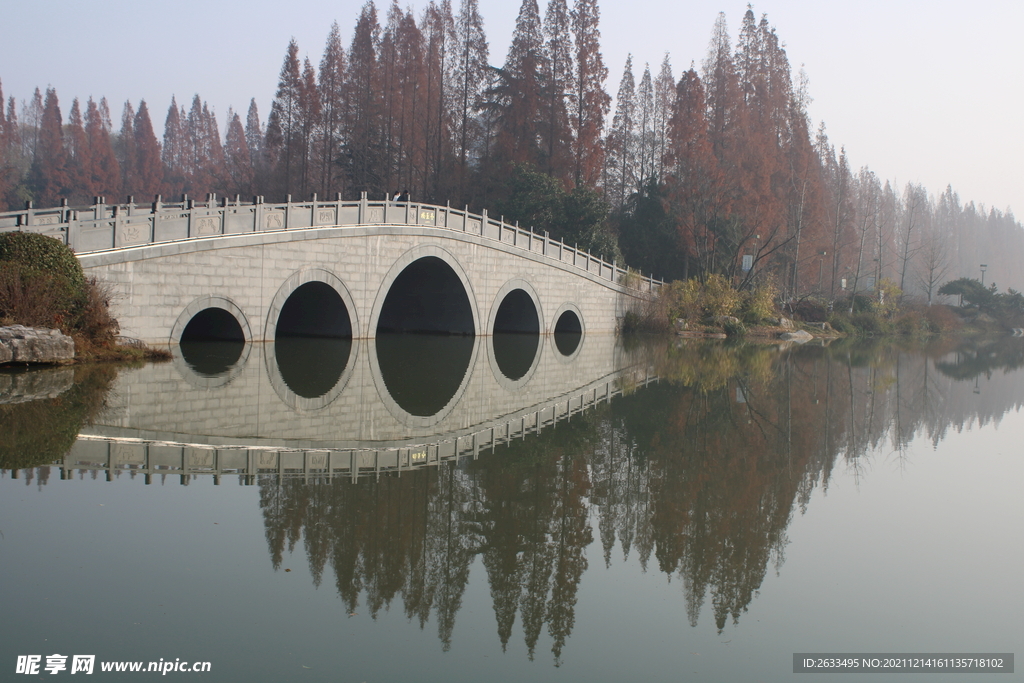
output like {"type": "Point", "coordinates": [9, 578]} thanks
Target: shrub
{"type": "Point", "coordinates": [36, 298]}
{"type": "Point", "coordinates": [942, 319]}
{"type": "Point", "coordinates": [809, 310]}
{"type": "Point", "coordinates": [912, 322]}
{"type": "Point", "coordinates": [734, 328]}
{"type": "Point", "coordinates": [871, 324]}
{"type": "Point", "coordinates": [759, 304]}
{"type": "Point", "coordinates": [719, 298]}
{"type": "Point", "coordinates": [842, 324]}
{"type": "Point", "coordinates": [44, 254]}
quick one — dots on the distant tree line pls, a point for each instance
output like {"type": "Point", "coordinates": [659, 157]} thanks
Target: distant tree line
{"type": "Point", "coordinates": [718, 171]}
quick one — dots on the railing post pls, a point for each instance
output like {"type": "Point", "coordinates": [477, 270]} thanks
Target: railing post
{"type": "Point", "coordinates": [363, 209]}
{"type": "Point", "coordinates": [186, 205]}
{"type": "Point", "coordinates": [312, 211]}
{"type": "Point", "coordinates": [483, 224]}
{"type": "Point", "coordinates": [72, 237]}
{"type": "Point", "coordinates": [288, 212]}
{"type": "Point", "coordinates": [117, 225]}
{"type": "Point", "coordinates": [547, 242]}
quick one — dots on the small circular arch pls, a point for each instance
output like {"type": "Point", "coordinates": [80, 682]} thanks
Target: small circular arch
{"type": "Point", "coordinates": [567, 322]}
{"type": "Point", "coordinates": [508, 288]}
{"type": "Point", "coordinates": [206, 302]}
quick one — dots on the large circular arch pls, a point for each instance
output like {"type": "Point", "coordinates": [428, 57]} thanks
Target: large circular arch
{"type": "Point", "coordinates": [203, 303]}
{"type": "Point", "coordinates": [296, 280]}
{"type": "Point", "coordinates": [570, 308]}
{"type": "Point", "coordinates": [405, 260]}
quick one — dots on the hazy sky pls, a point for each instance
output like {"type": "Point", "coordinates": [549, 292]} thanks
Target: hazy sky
{"type": "Point", "coordinates": [923, 92]}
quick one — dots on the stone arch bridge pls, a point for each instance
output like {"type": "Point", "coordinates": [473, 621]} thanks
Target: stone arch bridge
{"type": "Point", "coordinates": [251, 272]}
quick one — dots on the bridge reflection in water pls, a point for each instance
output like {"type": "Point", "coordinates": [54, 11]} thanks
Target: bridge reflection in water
{"type": "Point", "coordinates": [314, 407]}
{"type": "Point", "coordinates": [698, 478]}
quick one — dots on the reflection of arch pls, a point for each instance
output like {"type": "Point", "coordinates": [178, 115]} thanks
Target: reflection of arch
{"type": "Point", "coordinates": [202, 382]}
{"type": "Point", "coordinates": [401, 263]}
{"type": "Point", "coordinates": [510, 384]}
{"type": "Point", "coordinates": [406, 418]}
{"type": "Point", "coordinates": [203, 303]}
{"type": "Point", "coordinates": [506, 289]}
{"type": "Point", "coordinates": [296, 280]}
{"type": "Point", "coordinates": [302, 404]}
{"type": "Point", "coordinates": [567, 307]}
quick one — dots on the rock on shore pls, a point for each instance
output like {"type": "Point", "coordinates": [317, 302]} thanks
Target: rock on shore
{"type": "Point", "coordinates": [20, 344]}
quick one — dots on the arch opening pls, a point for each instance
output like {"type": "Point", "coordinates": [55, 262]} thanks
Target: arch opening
{"type": "Point", "coordinates": [427, 297]}
{"type": "Point", "coordinates": [422, 373]}
{"type": "Point", "coordinates": [568, 333]}
{"type": "Point", "coordinates": [212, 342]}
{"type": "Point", "coordinates": [314, 309]}
{"type": "Point", "coordinates": [313, 339]}
{"type": "Point", "coordinates": [516, 334]}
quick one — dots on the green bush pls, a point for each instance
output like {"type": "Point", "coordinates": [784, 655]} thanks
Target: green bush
{"type": "Point", "coordinates": [758, 304]}
{"type": "Point", "coordinates": [44, 254]}
{"type": "Point", "coordinates": [842, 324]}
{"type": "Point", "coordinates": [734, 328]}
{"type": "Point", "coordinates": [871, 324]}
{"type": "Point", "coordinates": [719, 298]}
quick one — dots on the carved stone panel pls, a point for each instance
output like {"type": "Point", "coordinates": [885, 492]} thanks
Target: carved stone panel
{"type": "Point", "coordinates": [426, 217]}
{"type": "Point", "coordinates": [134, 233]}
{"type": "Point", "coordinates": [208, 225]}
{"type": "Point", "coordinates": [325, 217]}
{"type": "Point", "coordinates": [273, 220]}
{"type": "Point", "coordinates": [376, 215]}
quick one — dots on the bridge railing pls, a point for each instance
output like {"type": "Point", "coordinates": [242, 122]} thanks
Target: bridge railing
{"type": "Point", "coordinates": [102, 226]}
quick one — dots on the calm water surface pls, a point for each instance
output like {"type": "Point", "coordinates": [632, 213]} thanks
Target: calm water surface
{"type": "Point", "coordinates": [458, 509]}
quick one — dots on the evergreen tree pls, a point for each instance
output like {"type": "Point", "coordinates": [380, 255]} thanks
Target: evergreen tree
{"type": "Point", "coordinates": [557, 86]}
{"type": "Point", "coordinates": [237, 157]}
{"type": "Point", "coordinates": [174, 151]}
{"type": "Point", "coordinates": [516, 98]}
{"type": "Point", "coordinates": [332, 109]}
{"type": "Point", "coordinates": [103, 171]}
{"type": "Point", "coordinates": [150, 169]}
{"type": "Point", "coordinates": [591, 102]}
{"type": "Point", "coordinates": [470, 77]}
{"type": "Point", "coordinates": [48, 176]}
{"type": "Point", "coordinates": [80, 186]}
{"type": "Point", "coordinates": [621, 143]}
{"type": "Point", "coordinates": [363, 153]}
{"type": "Point", "coordinates": [127, 151]}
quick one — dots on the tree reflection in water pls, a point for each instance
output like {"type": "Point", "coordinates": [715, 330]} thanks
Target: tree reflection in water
{"type": "Point", "coordinates": [699, 475]}
{"type": "Point", "coordinates": [701, 472]}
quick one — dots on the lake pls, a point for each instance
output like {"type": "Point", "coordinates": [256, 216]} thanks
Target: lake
{"type": "Point", "coordinates": [514, 508]}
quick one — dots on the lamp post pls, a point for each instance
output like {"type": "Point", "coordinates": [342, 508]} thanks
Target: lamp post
{"type": "Point", "coordinates": [984, 267]}
{"type": "Point", "coordinates": [820, 260]}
